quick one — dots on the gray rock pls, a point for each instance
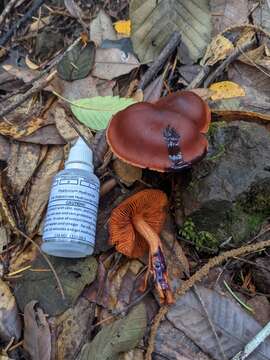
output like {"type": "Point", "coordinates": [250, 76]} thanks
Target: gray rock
{"type": "Point", "coordinates": [229, 194]}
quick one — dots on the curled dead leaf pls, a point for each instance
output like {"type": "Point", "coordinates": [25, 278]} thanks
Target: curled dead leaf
{"type": "Point", "coordinates": [37, 336]}
{"type": "Point", "coordinates": [219, 48]}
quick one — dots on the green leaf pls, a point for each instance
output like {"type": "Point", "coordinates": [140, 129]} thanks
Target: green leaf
{"type": "Point", "coordinates": [121, 336]}
{"type": "Point", "coordinates": [77, 63]}
{"type": "Point", "coordinates": [96, 112]}
{"type": "Point", "coordinates": [153, 22]}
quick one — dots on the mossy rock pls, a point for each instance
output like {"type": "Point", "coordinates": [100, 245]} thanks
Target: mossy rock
{"type": "Point", "coordinates": [229, 193]}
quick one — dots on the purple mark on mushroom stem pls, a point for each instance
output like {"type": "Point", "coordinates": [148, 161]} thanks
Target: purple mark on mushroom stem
{"type": "Point", "coordinates": [160, 268]}
{"type": "Point", "coordinates": [173, 141]}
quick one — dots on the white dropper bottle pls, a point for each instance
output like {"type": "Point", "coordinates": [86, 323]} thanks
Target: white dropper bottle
{"type": "Point", "coordinates": [70, 224]}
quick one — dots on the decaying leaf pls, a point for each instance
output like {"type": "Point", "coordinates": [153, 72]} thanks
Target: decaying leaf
{"type": "Point", "coordinates": [71, 328]}
{"type": "Point", "coordinates": [152, 92]}
{"type": "Point", "coordinates": [123, 27]}
{"type": "Point", "coordinates": [62, 122]}
{"type": "Point", "coordinates": [111, 63]}
{"type": "Point", "coordinates": [73, 9]}
{"type": "Point", "coordinates": [24, 74]}
{"type": "Point", "coordinates": [235, 328]}
{"type": "Point", "coordinates": [41, 183]}
{"type": "Point", "coordinates": [77, 63]}
{"type": "Point", "coordinates": [227, 13]}
{"type": "Point", "coordinates": [154, 22]}
{"type": "Point", "coordinates": [10, 322]}
{"type": "Point", "coordinates": [226, 90]}
{"type": "Point", "coordinates": [47, 135]}
{"type": "Point", "coordinates": [23, 161]}
{"type": "Point", "coordinates": [219, 48]}
{"type": "Point", "coordinates": [84, 88]}
{"type": "Point", "coordinates": [123, 335]}
{"type": "Point", "coordinates": [101, 28]}
{"type": "Point", "coordinates": [37, 337]}
{"type": "Point", "coordinates": [261, 15]}
{"type": "Point", "coordinates": [40, 23]}
{"type": "Point", "coordinates": [21, 128]}
{"type": "Point", "coordinates": [38, 283]}
{"type": "Point", "coordinates": [97, 111]}
{"type": "Point", "coordinates": [127, 173]}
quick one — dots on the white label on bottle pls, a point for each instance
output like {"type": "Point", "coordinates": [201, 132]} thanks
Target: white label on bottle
{"type": "Point", "coordinates": [72, 210]}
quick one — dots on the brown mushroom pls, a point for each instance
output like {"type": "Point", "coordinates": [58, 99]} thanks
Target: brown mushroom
{"type": "Point", "coordinates": [134, 228]}
{"type": "Point", "coordinates": [165, 136]}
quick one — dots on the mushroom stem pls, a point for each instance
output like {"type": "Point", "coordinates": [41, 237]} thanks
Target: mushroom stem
{"type": "Point", "coordinates": [157, 263]}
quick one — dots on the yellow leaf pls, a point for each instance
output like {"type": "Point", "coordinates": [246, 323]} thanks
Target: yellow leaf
{"type": "Point", "coordinates": [123, 27]}
{"type": "Point", "coordinates": [226, 90]}
{"type": "Point", "coordinates": [219, 48]}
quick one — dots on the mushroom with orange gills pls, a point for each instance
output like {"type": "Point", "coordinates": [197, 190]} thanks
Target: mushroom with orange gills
{"type": "Point", "coordinates": [168, 135]}
{"type": "Point", "coordinates": [134, 228]}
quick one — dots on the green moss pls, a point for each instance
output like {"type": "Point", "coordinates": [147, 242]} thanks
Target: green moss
{"type": "Point", "coordinates": [214, 126]}
{"type": "Point", "coordinates": [218, 154]}
{"type": "Point", "coordinates": [201, 239]}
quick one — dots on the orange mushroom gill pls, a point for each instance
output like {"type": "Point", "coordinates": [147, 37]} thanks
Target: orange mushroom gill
{"type": "Point", "coordinates": [134, 228]}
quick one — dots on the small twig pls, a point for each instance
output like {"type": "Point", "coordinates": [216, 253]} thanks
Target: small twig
{"type": "Point", "coordinates": [254, 343]}
{"type": "Point", "coordinates": [46, 259]}
{"type": "Point", "coordinates": [198, 276]}
{"type": "Point", "coordinates": [234, 55]}
{"type": "Point", "coordinates": [20, 22]}
{"type": "Point", "coordinates": [6, 10]}
{"type": "Point", "coordinates": [38, 86]}
{"type": "Point", "coordinates": [160, 60]}
{"type": "Point", "coordinates": [198, 80]}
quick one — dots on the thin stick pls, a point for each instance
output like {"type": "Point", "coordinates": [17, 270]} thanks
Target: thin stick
{"type": "Point", "coordinates": [160, 60]}
{"type": "Point", "coordinates": [234, 55]}
{"type": "Point", "coordinates": [198, 276]}
{"type": "Point", "coordinates": [47, 260]}
{"type": "Point", "coordinates": [6, 10]}
{"type": "Point", "coordinates": [20, 22]}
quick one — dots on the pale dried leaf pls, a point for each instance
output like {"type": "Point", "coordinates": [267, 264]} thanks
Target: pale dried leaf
{"type": "Point", "coordinates": [152, 92]}
{"type": "Point", "coordinates": [39, 193]}
{"type": "Point", "coordinates": [226, 90]}
{"type": "Point", "coordinates": [4, 238]}
{"type": "Point", "coordinates": [219, 48]}
{"type": "Point", "coordinates": [22, 163]}
{"type": "Point", "coordinates": [261, 15]}
{"type": "Point", "coordinates": [23, 128]}
{"type": "Point", "coordinates": [235, 328]}
{"type": "Point", "coordinates": [111, 63]}
{"type": "Point", "coordinates": [37, 336]}
{"type": "Point", "coordinates": [4, 148]}
{"type": "Point", "coordinates": [227, 13]}
{"type": "Point", "coordinates": [10, 322]}
{"type": "Point", "coordinates": [153, 22]}
{"type": "Point", "coordinates": [101, 28]}
{"type": "Point", "coordinates": [136, 354]}
{"type": "Point", "coordinates": [31, 64]}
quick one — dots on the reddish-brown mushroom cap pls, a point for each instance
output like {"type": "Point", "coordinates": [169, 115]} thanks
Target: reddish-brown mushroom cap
{"type": "Point", "coordinates": [147, 204]}
{"type": "Point", "coordinates": [164, 136]}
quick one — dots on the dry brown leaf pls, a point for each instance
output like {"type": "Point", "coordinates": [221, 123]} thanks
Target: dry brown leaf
{"type": "Point", "coordinates": [111, 63]}
{"type": "Point", "coordinates": [65, 129]}
{"type": "Point", "coordinates": [39, 192]}
{"type": "Point", "coordinates": [47, 135]}
{"type": "Point", "coordinates": [4, 237]}
{"type": "Point", "coordinates": [10, 322]}
{"type": "Point", "coordinates": [40, 23]}
{"type": "Point", "coordinates": [152, 92]}
{"type": "Point", "coordinates": [219, 48]}
{"type": "Point", "coordinates": [73, 9]}
{"type": "Point", "coordinates": [101, 28]}
{"type": "Point", "coordinates": [83, 88]}
{"type": "Point", "coordinates": [24, 74]}
{"type": "Point", "coordinates": [37, 336]}
{"type": "Point", "coordinates": [226, 13]}
{"type": "Point", "coordinates": [21, 258]}
{"type": "Point", "coordinates": [22, 163]}
{"type": "Point", "coordinates": [4, 148]}
{"type": "Point", "coordinates": [127, 173]}
{"type": "Point", "coordinates": [30, 64]}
